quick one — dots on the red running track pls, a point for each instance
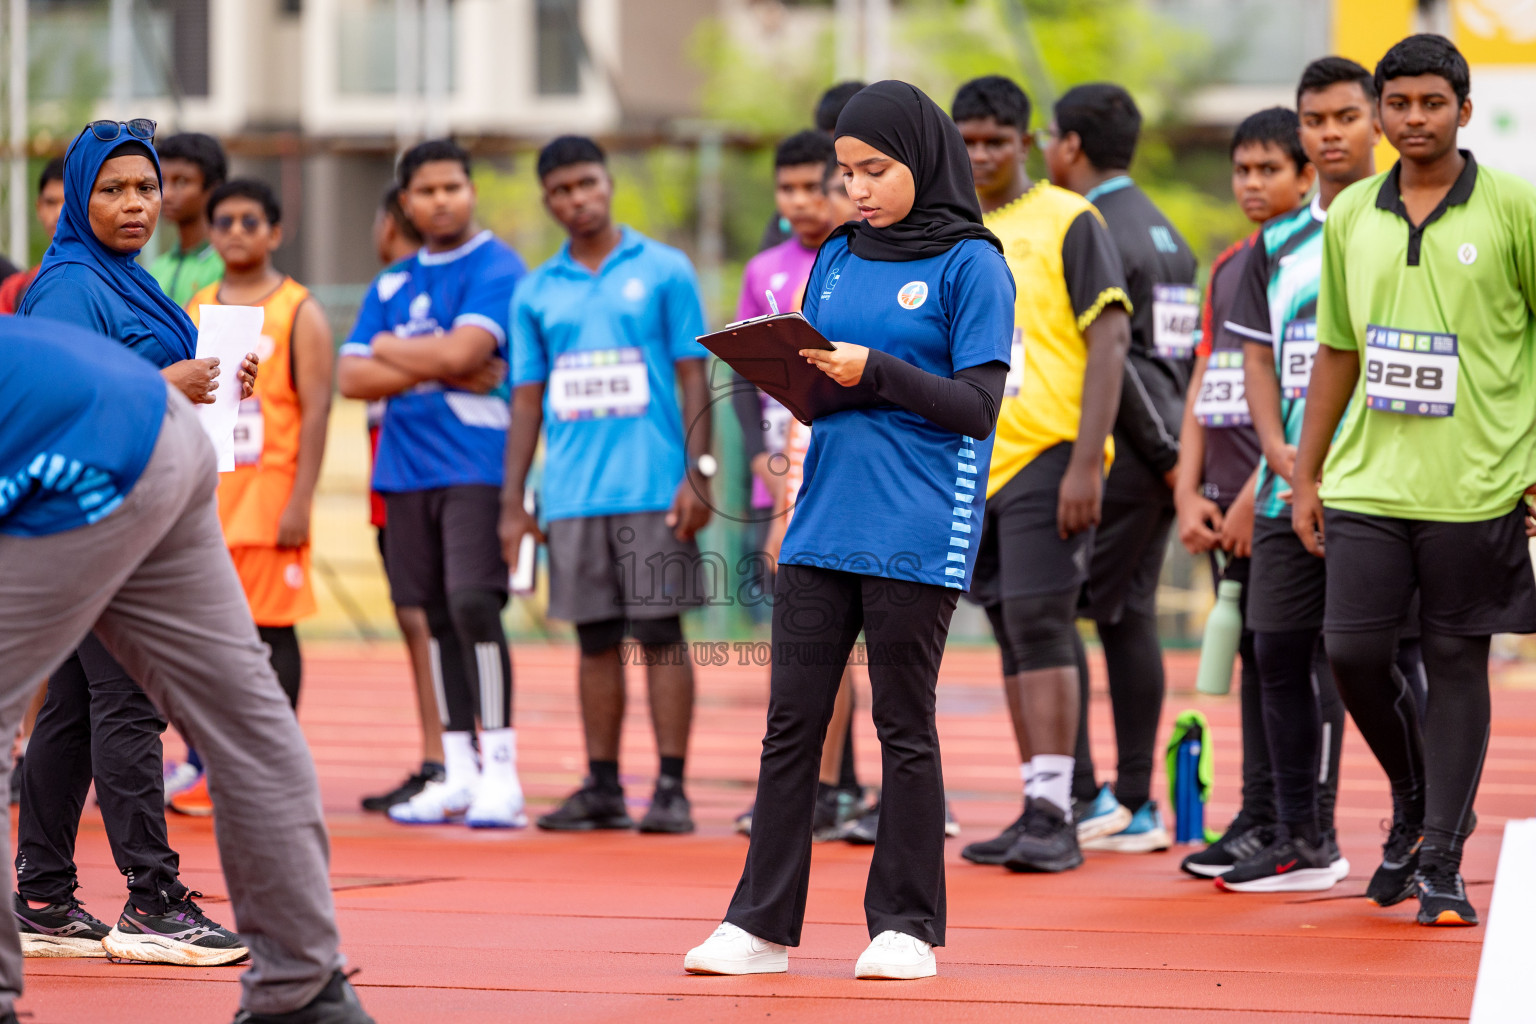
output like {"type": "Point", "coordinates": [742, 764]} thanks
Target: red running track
{"type": "Point", "coordinates": [471, 927]}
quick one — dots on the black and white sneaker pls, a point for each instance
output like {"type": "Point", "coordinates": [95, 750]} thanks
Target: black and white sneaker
{"type": "Point", "coordinates": [1443, 898]}
{"type": "Point", "coordinates": [992, 851]}
{"type": "Point", "coordinates": [670, 812]}
{"type": "Point", "coordinates": [1290, 864]}
{"type": "Point", "coordinates": [836, 809]}
{"type": "Point", "coordinates": [59, 930]}
{"type": "Point", "coordinates": [1396, 879]}
{"type": "Point", "coordinates": [588, 809]}
{"type": "Point", "coordinates": [413, 784]}
{"type": "Point", "coordinates": [1243, 838]}
{"type": "Point", "coordinates": [861, 831]}
{"type": "Point", "coordinates": [183, 935]}
{"type": "Point", "coordinates": [337, 1003]}
{"type": "Point", "coordinates": [1047, 842]}
{"type": "Point", "coordinates": [1336, 859]}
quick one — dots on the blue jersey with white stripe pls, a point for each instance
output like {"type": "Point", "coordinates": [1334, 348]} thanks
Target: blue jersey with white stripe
{"type": "Point", "coordinates": [433, 435]}
{"type": "Point", "coordinates": [886, 492]}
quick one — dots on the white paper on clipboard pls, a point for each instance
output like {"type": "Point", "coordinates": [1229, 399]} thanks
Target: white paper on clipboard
{"type": "Point", "coordinates": [228, 332]}
{"type": "Point", "coordinates": [524, 579]}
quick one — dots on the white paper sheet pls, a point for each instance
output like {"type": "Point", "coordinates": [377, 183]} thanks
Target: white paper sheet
{"type": "Point", "coordinates": [230, 333]}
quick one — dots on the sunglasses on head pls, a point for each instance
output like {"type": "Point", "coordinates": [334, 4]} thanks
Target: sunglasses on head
{"type": "Point", "coordinates": [142, 128]}
{"type": "Point", "coordinates": [225, 221]}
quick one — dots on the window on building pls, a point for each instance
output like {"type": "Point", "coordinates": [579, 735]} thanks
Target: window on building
{"type": "Point", "coordinates": [559, 49]}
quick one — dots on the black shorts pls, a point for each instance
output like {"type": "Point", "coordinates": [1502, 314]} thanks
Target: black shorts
{"type": "Point", "coordinates": [1473, 579]}
{"type": "Point", "coordinates": [625, 566]}
{"type": "Point", "coordinates": [1020, 553]}
{"type": "Point", "coordinates": [1287, 584]}
{"type": "Point", "coordinates": [442, 542]}
{"type": "Point", "coordinates": [1128, 553]}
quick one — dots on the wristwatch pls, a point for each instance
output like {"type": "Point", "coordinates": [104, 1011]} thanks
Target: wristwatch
{"type": "Point", "coordinates": [706, 466]}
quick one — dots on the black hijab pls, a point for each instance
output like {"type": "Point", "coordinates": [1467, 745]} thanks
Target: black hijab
{"type": "Point", "coordinates": [904, 124]}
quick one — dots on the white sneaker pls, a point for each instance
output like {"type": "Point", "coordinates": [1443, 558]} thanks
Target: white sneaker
{"type": "Point", "coordinates": [497, 805]}
{"type": "Point", "coordinates": [896, 956]}
{"type": "Point", "coordinates": [179, 777]}
{"type": "Point", "coordinates": [732, 951]}
{"type": "Point", "coordinates": [436, 804]}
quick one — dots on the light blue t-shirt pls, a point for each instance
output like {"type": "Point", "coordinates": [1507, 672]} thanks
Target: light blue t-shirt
{"type": "Point", "coordinates": [605, 346]}
{"type": "Point", "coordinates": [887, 493]}
{"type": "Point", "coordinates": [434, 436]}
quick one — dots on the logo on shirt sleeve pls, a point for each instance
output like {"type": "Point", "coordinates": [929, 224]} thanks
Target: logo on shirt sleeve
{"type": "Point", "coordinates": [912, 295]}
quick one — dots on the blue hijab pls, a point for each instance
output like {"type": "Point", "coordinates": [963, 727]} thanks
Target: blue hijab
{"type": "Point", "coordinates": [126, 286]}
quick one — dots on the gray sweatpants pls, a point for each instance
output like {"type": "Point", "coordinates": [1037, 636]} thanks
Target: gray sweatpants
{"type": "Point", "coordinates": [155, 581]}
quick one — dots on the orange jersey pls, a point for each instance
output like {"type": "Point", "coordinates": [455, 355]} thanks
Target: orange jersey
{"type": "Point", "coordinates": [253, 497]}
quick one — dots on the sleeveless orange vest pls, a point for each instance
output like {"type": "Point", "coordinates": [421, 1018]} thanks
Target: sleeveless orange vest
{"type": "Point", "coordinates": [252, 498]}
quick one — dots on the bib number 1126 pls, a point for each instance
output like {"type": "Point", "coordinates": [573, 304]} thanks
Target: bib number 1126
{"type": "Point", "coordinates": [1410, 372]}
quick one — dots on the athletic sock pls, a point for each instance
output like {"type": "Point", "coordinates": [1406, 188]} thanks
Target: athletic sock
{"type": "Point", "coordinates": [672, 768]}
{"type": "Point", "coordinates": [498, 756]}
{"type": "Point", "coordinates": [459, 766]}
{"type": "Point", "coordinates": [605, 776]}
{"type": "Point", "coordinates": [1053, 780]}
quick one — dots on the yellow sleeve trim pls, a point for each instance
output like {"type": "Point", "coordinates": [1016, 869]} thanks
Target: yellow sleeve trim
{"type": "Point", "coordinates": [1107, 296]}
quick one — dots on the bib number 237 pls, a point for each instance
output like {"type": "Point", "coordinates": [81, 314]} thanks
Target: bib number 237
{"type": "Point", "coordinates": [1412, 373]}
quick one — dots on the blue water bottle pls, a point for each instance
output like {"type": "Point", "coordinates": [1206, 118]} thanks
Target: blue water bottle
{"type": "Point", "coordinates": [1189, 808]}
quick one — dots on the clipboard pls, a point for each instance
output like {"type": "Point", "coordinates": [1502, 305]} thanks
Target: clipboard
{"type": "Point", "coordinates": [766, 351]}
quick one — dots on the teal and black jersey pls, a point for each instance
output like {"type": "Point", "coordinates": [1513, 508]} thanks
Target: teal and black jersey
{"type": "Point", "coordinates": [1276, 305]}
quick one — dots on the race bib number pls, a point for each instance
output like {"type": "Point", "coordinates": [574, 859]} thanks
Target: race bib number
{"type": "Point", "coordinates": [1222, 401]}
{"type": "Point", "coordinates": [250, 432]}
{"type": "Point", "coordinates": [1411, 373]}
{"type": "Point", "coordinates": [775, 425]}
{"type": "Point", "coordinates": [1298, 350]}
{"type": "Point", "coordinates": [600, 383]}
{"type": "Point", "coordinates": [1015, 378]}
{"type": "Point", "coordinates": [1175, 315]}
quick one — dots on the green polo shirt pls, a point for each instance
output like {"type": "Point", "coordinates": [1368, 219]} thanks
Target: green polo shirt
{"type": "Point", "coordinates": [1442, 424]}
{"type": "Point", "coordinates": [182, 275]}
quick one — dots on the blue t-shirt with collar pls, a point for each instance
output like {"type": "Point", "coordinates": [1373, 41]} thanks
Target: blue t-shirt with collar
{"type": "Point", "coordinates": [885, 492]}
{"type": "Point", "coordinates": [435, 436]}
{"type": "Point", "coordinates": [81, 416]}
{"type": "Point", "coordinates": [605, 346]}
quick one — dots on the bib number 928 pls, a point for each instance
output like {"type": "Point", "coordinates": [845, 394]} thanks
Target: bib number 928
{"type": "Point", "coordinates": [1401, 375]}
{"type": "Point", "coordinates": [1411, 373]}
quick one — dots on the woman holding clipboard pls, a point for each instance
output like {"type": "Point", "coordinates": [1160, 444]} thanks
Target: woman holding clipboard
{"type": "Point", "coordinates": [919, 302]}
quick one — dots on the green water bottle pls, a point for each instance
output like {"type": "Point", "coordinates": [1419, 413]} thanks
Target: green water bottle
{"type": "Point", "coordinates": [1223, 630]}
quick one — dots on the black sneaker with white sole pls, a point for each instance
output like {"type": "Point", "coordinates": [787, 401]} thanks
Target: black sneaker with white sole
{"type": "Point", "coordinates": [1443, 898]}
{"type": "Point", "coordinates": [183, 935]}
{"type": "Point", "coordinates": [992, 851]}
{"type": "Point", "coordinates": [1396, 879]}
{"type": "Point", "coordinates": [337, 1003]}
{"type": "Point", "coordinates": [1290, 864]}
{"type": "Point", "coordinates": [431, 771]}
{"type": "Point", "coordinates": [59, 930]}
{"type": "Point", "coordinates": [861, 831]}
{"type": "Point", "coordinates": [1047, 842]}
{"type": "Point", "coordinates": [1243, 838]}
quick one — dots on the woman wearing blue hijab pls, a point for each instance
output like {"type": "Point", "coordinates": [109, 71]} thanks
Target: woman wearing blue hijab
{"type": "Point", "coordinates": [89, 277]}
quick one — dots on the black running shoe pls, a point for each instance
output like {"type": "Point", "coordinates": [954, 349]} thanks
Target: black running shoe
{"type": "Point", "coordinates": [1047, 842]}
{"type": "Point", "coordinates": [1290, 864]}
{"type": "Point", "coordinates": [413, 784]}
{"type": "Point", "coordinates": [835, 810]}
{"type": "Point", "coordinates": [1443, 898]}
{"type": "Point", "coordinates": [61, 930]}
{"type": "Point", "coordinates": [183, 935]}
{"type": "Point", "coordinates": [336, 1004]}
{"type": "Point", "coordinates": [587, 810]}
{"type": "Point", "coordinates": [1396, 879]}
{"type": "Point", "coordinates": [1243, 838]}
{"type": "Point", "coordinates": [861, 830]}
{"type": "Point", "coordinates": [992, 851]}
{"type": "Point", "coordinates": [670, 811]}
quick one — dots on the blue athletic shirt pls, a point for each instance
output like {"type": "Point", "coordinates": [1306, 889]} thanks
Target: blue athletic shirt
{"type": "Point", "coordinates": [81, 414]}
{"type": "Point", "coordinates": [605, 346]}
{"type": "Point", "coordinates": [435, 436]}
{"type": "Point", "coordinates": [887, 493]}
